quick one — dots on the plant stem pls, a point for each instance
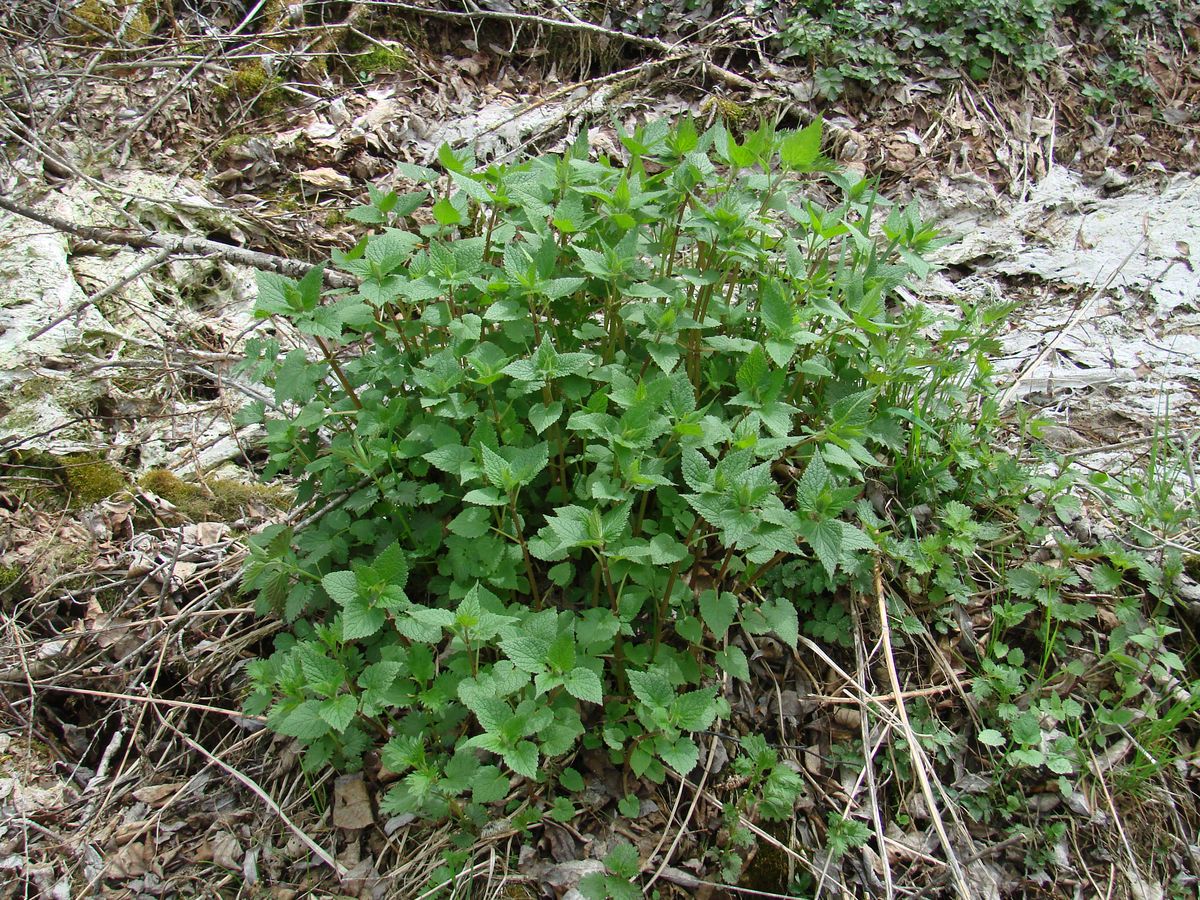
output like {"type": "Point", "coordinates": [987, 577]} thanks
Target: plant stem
{"type": "Point", "coordinates": [661, 608]}
{"type": "Point", "coordinates": [618, 638]}
{"type": "Point", "coordinates": [338, 373]}
{"type": "Point", "coordinates": [520, 534]}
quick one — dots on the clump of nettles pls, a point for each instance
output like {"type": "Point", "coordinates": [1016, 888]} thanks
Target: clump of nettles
{"type": "Point", "coordinates": [570, 423]}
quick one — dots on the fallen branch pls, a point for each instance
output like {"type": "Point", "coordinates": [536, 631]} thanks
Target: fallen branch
{"type": "Point", "coordinates": [195, 246]}
{"type": "Point", "coordinates": [159, 258]}
{"type": "Point", "coordinates": [528, 19]}
{"type": "Point", "coordinates": [676, 52]}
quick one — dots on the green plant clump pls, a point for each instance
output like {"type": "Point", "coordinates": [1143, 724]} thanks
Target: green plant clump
{"type": "Point", "coordinates": [564, 428]}
{"type": "Point", "coordinates": [875, 41]}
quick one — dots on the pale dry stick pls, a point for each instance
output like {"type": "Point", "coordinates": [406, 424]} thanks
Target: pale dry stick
{"type": "Point", "coordinates": [690, 882]}
{"type": "Point", "coordinates": [266, 798]}
{"type": "Point", "coordinates": [973, 858]}
{"type": "Point", "coordinates": [1086, 871]}
{"type": "Point", "coordinates": [149, 265]}
{"type": "Point", "coordinates": [29, 684]}
{"type": "Point", "coordinates": [101, 775]}
{"type": "Point", "coordinates": [667, 827]}
{"type": "Point", "coordinates": [590, 85]}
{"type": "Point", "coordinates": [934, 691]}
{"type": "Point", "coordinates": [712, 752]}
{"type": "Point", "coordinates": [155, 701]}
{"type": "Point", "coordinates": [1112, 806]}
{"type": "Point", "coordinates": [165, 805]}
{"type": "Point", "coordinates": [34, 143]}
{"type": "Point", "coordinates": [943, 663]}
{"type": "Point", "coordinates": [1185, 433]}
{"type": "Point", "coordinates": [118, 38]}
{"type": "Point", "coordinates": [190, 245]}
{"type": "Point", "coordinates": [1080, 311]}
{"type": "Point", "coordinates": [868, 766]}
{"type": "Point", "coordinates": [851, 687]}
{"type": "Point", "coordinates": [863, 661]}
{"type": "Point", "coordinates": [755, 830]}
{"type": "Point", "coordinates": [916, 751]}
{"type": "Point", "coordinates": [452, 880]}
{"type": "Point", "coordinates": [162, 653]}
{"type": "Point", "coordinates": [526, 19]}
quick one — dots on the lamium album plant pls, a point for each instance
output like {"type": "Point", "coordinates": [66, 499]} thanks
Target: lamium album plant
{"type": "Point", "coordinates": [563, 438]}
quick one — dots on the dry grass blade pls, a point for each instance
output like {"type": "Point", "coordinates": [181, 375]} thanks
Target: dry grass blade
{"type": "Point", "coordinates": [320, 852]}
{"type": "Point", "coordinates": [153, 701]}
{"type": "Point", "coordinates": [683, 824]}
{"type": "Point", "coordinates": [919, 760]}
{"type": "Point", "coordinates": [869, 767]}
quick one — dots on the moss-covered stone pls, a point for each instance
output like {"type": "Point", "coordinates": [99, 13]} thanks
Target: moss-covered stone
{"type": "Point", "coordinates": [215, 499]}
{"type": "Point", "coordinates": [58, 483]}
{"type": "Point", "coordinates": [388, 58]}
{"type": "Point", "coordinates": [232, 143]}
{"type": "Point", "coordinates": [9, 576]}
{"type": "Point", "coordinates": [93, 18]}
{"type": "Point", "coordinates": [90, 479]}
{"type": "Point", "coordinates": [251, 83]}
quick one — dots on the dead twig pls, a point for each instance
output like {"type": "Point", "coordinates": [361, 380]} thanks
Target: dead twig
{"type": "Point", "coordinates": [156, 701]}
{"type": "Point", "coordinates": [157, 260]}
{"type": "Point", "coordinates": [267, 262]}
{"type": "Point", "coordinates": [1080, 311]}
{"type": "Point", "coordinates": [266, 798]}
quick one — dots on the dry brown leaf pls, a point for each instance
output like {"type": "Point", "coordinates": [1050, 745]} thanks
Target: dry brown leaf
{"type": "Point", "coordinates": [134, 859]}
{"type": "Point", "coordinates": [156, 794]}
{"type": "Point", "coordinates": [352, 803]}
{"type": "Point", "coordinates": [326, 179]}
{"type": "Point", "coordinates": [227, 851]}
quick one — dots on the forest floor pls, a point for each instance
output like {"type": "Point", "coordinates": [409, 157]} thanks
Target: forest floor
{"type": "Point", "coordinates": [127, 484]}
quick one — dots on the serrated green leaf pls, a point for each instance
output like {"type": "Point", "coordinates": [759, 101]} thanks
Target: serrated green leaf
{"type": "Point", "coordinates": [339, 711]}
{"type": "Point", "coordinates": [542, 416]}
{"type": "Point", "coordinates": [732, 659]}
{"type": "Point", "coordinates": [527, 652]}
{"type": "Point", "coordinates": [990, 737]}
{"type": "Point", "coordinates": [801, 149]}
{"type": "Point", "coordinates": [473, 522]}
{"type": "Point", "coordinates": [622, 860]}
{"type": "Point", "coordinates": [825, 537]}
{"type": "Point", "coordinates": [780, 617]}
{"type": "Point", "coordinates": [682, 754]}
{"type": "Point", "coordinates": [489, 785]}
{"type": "Point", "coordinates": [652, 687]}
{"type": "Point", "coordinates": [523, 759]}
{"type": "Point", "coordinates": [342, 587]}
{"type": "Point", "coordinates": [304, 722]}
{"type": "Point", "coordinates": [695, 710]}
{"type": "Point", "coordinates": [584, 684]}
{"type": "Point", "coordinates": [446, 213]}
{"type": "Point", "coordinates": [718, 611]}
{"type": "Point", "coordinates": [361, 620]}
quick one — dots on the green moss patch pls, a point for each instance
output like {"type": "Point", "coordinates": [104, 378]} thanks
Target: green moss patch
{"type": "Point", "coordinates": [90, 480]}
{"type": "Point", "coordinates": [215, 499]}
{"type": "Point", "coordinates": [385, 59]}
